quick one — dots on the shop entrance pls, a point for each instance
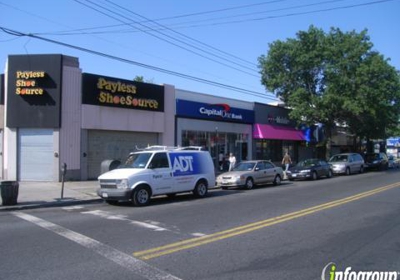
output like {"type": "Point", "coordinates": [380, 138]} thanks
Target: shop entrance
{"type": "Point", "coordinates": [218, 143]}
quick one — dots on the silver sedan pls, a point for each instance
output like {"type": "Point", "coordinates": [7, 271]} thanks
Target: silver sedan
{"type": "Point", "coordinates": [246, 174]}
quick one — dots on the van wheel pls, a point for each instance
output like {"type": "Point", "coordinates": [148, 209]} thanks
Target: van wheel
{"type": "Point", "coordinates": [141, 196]}
{"type": "Point", "coordinates": [249, 184]}
{"type": "Point", "coordinates": [201, 189]}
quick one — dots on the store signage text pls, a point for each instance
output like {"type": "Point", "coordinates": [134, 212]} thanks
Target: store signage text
{"type": "Point", "coordinates": [217, 111]}
{"type": "Point", "coordinates": [122, 94]}
{"type": "Point", "coordinates": [27, 82]}
{"type": "Point", "coordinates": [278, 119]}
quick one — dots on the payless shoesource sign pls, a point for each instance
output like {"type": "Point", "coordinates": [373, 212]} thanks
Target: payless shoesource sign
{"type": "Point", "coordinates": [112, 92]}
{"type": "Point", "coordinates": [34, 90]}
{"type": "Point", "coordinates": [28, 82]}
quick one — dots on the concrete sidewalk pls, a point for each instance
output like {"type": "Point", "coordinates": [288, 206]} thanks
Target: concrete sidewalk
{"type": "Point", "coordinates": [48, 194]}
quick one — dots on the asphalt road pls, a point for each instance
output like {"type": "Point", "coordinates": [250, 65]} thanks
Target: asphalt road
{"type": "Point", "coordinates": [292, 231]}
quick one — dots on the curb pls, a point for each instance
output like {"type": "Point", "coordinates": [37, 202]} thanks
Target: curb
{"type": "Point", "coordinates": [60, 203]}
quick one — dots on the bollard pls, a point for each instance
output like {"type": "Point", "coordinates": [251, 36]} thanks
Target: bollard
{"type": "Point", "coordinates": [63, 172]}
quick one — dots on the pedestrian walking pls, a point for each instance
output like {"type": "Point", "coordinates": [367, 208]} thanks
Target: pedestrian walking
{"type": "Point", "coordinates": [232, 161]}
{"type": "Point", "coordinates": [286, 161]}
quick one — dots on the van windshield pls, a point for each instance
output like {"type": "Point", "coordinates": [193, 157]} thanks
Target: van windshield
{"type": "Point", "coordinates": [136, 160]}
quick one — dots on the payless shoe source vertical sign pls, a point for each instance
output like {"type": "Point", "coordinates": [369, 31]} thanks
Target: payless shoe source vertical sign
{"type": "Point", "coordinates": [113, 92]}
{"type": "Point", "coordinates": [34, 91]}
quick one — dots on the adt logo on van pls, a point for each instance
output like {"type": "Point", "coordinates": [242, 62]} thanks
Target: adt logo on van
{"type": "Point", "coordinates": [184, 164]}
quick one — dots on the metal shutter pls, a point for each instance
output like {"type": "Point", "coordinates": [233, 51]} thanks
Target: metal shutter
{"type": "Point", "coordinates": [35, 155]}
{"type": "Point", "coordinates": [114, 145]}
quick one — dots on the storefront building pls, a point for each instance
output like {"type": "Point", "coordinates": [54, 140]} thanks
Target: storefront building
{"type": "Point", "coordinates": [274, 134]}
{"type": "Point", "coordinates": [55, 114]}
{"type": "Point", "coordinates": [220, 125]}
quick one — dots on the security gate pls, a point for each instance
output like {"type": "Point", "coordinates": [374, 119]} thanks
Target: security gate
{"type": "Point", "coordinates": [35, 155]}
{"type": "Point", "coordinates": [114, 145]}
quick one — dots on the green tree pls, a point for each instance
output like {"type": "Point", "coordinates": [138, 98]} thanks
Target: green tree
{"type": "Point", "coordinates": [139, 79]}
{"type": "Point", "coordinates": [375, 110]}
{"type": "Point", "coordinates": [333, 78]}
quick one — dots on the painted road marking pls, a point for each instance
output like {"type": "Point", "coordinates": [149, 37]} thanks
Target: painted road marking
{"type": "Point", "coordinates": [71, 208]}
{"type": "Point", "coordinates": [126, 261]}
{"type": "Point", "coordinates": [110, 216]}
{"type": "Point", "coordinates": [195, 242]}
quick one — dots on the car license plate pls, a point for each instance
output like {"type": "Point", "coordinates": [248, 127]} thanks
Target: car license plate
{"type": "Point", "coordinates": [105, 195]}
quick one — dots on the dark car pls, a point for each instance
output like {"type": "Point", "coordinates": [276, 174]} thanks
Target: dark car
{"type": "Point", "coordinates": [377, 161]}
{"type": "Point", "coordinates": [310, 169]}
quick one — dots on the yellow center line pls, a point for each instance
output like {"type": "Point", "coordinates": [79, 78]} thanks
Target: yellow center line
{"type": "Point", "coordinates": [198, 241]}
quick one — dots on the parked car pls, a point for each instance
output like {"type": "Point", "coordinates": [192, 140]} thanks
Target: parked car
{"type": "Point", "coordinates": [377, 161]}
{"type": "Point", "coordinates": [158, 170]}
{"type": "Point", "coordinates": [310, 169]}
{"type": "Point", "coordinates": [246, 174]}
{"type": "Point", "coordinates": [347, 163]}
{"type": "Point", "coordinates": [393, 162]}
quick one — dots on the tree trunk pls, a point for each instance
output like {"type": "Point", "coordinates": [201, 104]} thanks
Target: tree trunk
{"type": "Point", "coordinates": [328, 147]}
{"type": "Point", "coordinates": [328, 144]}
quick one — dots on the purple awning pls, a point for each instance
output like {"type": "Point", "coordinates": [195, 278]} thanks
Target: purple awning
{"type": "Point", "coordinates": [266, 131]}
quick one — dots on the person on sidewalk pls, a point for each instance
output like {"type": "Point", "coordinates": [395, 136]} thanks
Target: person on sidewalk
{"type": "Point", "coordinates": [232, 161]}
{"type": "Point", "coordinates": [286, 161]}
{"type": "Point", "coordinates": [221, 160]}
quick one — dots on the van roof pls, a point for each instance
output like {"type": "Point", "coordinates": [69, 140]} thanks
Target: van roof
{"type": "Point", "coordinates": [169, 148]}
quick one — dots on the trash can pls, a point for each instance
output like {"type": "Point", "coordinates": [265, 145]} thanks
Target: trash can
{"type": "Point", "coordinates": [9, 192]}
{"type": "Point", "coordinates": [109, 164]}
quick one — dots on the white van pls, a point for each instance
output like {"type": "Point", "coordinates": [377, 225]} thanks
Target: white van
{"type": "Point", "coordinates": [158, 170]}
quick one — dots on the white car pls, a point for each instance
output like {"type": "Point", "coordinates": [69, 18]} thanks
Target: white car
{"type": "Point", "coordinates": [347, 163]}
{"type": "Point", "coordinates": [158, 171]}
{"type": "Point", "coordinates": [249, 173]}
{"type": "Point", "coordinates": [393, 162]}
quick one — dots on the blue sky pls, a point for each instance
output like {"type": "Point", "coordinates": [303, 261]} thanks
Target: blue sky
{"type": "Point", "coordinates": [216, 41]}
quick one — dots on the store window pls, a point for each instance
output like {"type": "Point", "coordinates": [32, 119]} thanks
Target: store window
{"type": "Point", "coordinates": [218, 142]}
{"type": "Point", "coordinates": [269, 150]}
{"type": "Point", "coordinates": [274, 150]}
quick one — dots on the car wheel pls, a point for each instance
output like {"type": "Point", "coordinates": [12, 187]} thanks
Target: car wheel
{"type": "Point", "coordinates": [141, 196]}
{"type": "Point", "coordinates": [201, 189]}
{"type": "Point", "coordinates": [249, 184]}
{"type": "Point", "coordinates": [348, 171]}
{"type": "Point", "coordinates": [277, 180]}
{"type": "Point", "coordinates": [224, 188]}
{"type": "Point", "coordinates": [314, 175]}
{"type": "Point", "coordinates": [361, 169]}
{"type": "Point", "coordinates": [330, 174]}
